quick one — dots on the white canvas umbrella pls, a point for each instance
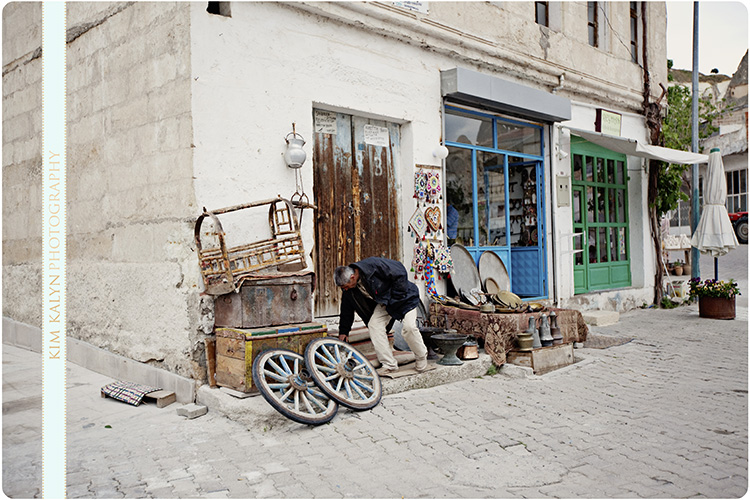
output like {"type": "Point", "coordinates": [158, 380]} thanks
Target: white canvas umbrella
{"type": "Point", "coordinates": [714, 234]}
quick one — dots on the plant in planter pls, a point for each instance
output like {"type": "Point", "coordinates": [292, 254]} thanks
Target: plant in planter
{"type": "Point", "coordinates": [678, 268]}
{"type": "Point", "coordinates": [715, 298]}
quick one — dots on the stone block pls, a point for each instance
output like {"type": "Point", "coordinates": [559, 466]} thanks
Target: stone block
{"type": "Point", "coordinates": [192, 410]}
{"type": "Point", "coordinates": [600, 318]}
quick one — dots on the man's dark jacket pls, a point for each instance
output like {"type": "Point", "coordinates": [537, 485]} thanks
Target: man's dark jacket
{"type": "Point", "coordinates": [387, 283]}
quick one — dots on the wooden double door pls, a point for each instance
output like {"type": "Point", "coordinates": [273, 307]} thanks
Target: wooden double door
{"type": "Point", "coordinates": [355, 161]}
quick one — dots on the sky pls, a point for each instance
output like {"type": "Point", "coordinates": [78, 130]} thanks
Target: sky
{"type": "Point", "coordinates": [722, 35]}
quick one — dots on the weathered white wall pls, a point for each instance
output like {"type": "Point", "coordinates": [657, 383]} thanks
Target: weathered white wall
{"type": "Point", "coordinates": [382, 61]}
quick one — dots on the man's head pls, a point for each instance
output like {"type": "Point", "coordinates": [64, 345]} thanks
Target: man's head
{"type": "Point", "coordinates": [346, 277]}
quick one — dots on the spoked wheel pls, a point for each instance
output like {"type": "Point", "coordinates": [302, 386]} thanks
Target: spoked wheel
{"type": "Point", "coordinates": [284, 381]}
{"type": "Point", "coordinates": [343, 373]}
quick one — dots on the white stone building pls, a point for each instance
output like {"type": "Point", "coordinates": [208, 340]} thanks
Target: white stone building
{"type": "Point", "coordinates": [172, 108]}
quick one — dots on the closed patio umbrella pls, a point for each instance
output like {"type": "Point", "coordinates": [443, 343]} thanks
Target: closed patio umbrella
{"type": "Point", "coordinates": [714, 234]}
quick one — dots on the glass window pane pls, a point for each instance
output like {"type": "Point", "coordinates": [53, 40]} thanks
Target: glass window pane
{"type": "Point", "coordinates": [577, 167]}
{"type": "Point", "coordinates": [590, 210]}
{"type": "Point", "coordinates": [621, 205]}
{"type": "Point", "coordinates": [578, 245]}
{"type": "Point", "coordinates": [613, 244]}
{"type": "Point", "coordinates": [612, 201]}
{"type": "Point", "coordinates": [577, 209]}
{"type": "Point", "coordinates": [611, 171]}
{"type": "Point", "coordinates": [735, 182]}
{"type": "Point", "coordinates": [603, 244]}
{"type": "Point", "coordinates": [601, 199]}
{"type": "Point", "coordinates": [592, 36]}
{"type": "Point", "coordinates": [743, 203]}
{"type": "Point", "coordinates": [468, 129]}
{"type": "Point", "coordinates": [491, 199]}
{"type": "Point", "coordinates": [459, 193]}
{"type": "Point", "coordinates": [743, 181]}
{"type": "Point", "coordinates": [622, 245]}
{"type": "Point", "coordinates": [620, 178]}
{"type": "Point", "coordinates": [593, 254]}
{"type": "Point", "coordinates": [601, 170]}
{"type": "Point", "coordinates": [519, 138]}
{"type": "Point", "coordinates": [589, 169]}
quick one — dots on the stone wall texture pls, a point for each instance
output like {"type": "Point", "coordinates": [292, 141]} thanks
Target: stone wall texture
{"type": "Point", "coordinates": [132, 274]}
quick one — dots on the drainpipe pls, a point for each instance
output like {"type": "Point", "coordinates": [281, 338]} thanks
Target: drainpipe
{"type": "Point", "coordinates": [553, 161]}
{"type": "Point", "coordinates": [561, 84]}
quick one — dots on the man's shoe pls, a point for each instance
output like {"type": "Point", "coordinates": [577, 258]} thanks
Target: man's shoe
{"type": "Point", "coordinates": [386, 371]}
{"type": "Point", "coordinates": [421, 364]}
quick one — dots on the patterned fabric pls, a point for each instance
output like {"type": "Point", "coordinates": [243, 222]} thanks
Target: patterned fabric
{"type": "Point", "coordinates": [498, 331]}
{"type": "Point", "coordinates": [128, 392]}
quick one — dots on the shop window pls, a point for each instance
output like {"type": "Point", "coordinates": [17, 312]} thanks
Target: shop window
{"type": "Point", "coordinates": [737, 191]}
{"type": "Point", "coordinates": [494, 182]}
{"type": "Point", "coordinates": [542, 13]}
{"type": "Point", "coordinates": [219, 9]}
{"type": "Point", "coordinates": [634, 32]}
{"type": "Point", "coordinates": [593, 23]}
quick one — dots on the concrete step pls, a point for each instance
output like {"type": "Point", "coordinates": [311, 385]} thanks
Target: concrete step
{"type": "Point", "coordinates": [600, 318]}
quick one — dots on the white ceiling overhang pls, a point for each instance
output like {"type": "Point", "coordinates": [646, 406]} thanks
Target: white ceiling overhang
{"type": "Point", "coordinates": [633, 147]}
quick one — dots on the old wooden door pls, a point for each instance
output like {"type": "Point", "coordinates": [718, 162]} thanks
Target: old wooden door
{"type": "Point", "coordinates": [354, 163]}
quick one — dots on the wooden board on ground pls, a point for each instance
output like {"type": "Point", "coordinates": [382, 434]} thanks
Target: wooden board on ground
{"type": "Point", "coordinates": [543, 359]}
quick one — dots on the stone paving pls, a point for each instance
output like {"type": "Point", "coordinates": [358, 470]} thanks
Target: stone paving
{"type": "Point", "coordinates": [663, 416]}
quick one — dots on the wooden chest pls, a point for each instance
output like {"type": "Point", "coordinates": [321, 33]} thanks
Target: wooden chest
{"type": "Point", "coordinates": [543, 359]}
{"type": "Point", "coordinates": [260, 303]}
{"type": "Point", "coordinates": [236, 350]}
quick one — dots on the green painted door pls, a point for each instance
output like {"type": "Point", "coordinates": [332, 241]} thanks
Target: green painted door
{"type": "Point", "coordinates": [600, 217]}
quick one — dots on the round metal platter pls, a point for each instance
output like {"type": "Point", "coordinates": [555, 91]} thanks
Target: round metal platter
{"type": "Point", "coordinates": [284, 381]}
{"type": "Point", "coordinates": [343, 373]}
{"type": "Point", "coordinates": [491, 266]}
{"type": "Point", "coordinates": [465, 275]}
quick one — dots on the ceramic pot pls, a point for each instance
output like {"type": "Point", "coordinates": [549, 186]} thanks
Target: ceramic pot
{"type": "Point", "coordinates": [678, 270]}
{"type": "Point", "coordinates": [716, 307]}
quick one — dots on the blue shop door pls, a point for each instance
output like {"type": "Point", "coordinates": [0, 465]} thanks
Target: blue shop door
{"type": "Point", "coordinates": [527, 256]}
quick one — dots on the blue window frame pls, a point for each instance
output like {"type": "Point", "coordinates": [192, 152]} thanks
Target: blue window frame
{"type": "Point", "coordinates": [494, 181]}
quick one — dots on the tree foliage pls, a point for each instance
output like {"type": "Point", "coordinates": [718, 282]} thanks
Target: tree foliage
{"type": "Point", "coordinates": [677, 130]}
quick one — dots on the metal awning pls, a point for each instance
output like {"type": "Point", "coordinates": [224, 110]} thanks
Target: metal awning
{"type": "Point", "coordinates": [490, 92]}
{"type": "Point", "coordinates": [632, 147]}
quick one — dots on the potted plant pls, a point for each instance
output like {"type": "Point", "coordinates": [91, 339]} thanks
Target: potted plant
{"type": "Point", "coordinates": [678, 268]}
{"type": "Point", "coordinates": [715, 298]}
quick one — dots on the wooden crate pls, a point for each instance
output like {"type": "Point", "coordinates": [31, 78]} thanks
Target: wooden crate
{"type": "Point", "coordinates": [543, 359]}
{"type": "Point", "coordinates": [261, 303]}
{"type": "Point", "coordinates": [236, 350]}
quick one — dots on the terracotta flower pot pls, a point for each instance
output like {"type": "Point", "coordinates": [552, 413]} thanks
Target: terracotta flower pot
{"type": "Point", "coordinates": [716, 307]}
{"type": "Point", "coordinates": [678, 270]}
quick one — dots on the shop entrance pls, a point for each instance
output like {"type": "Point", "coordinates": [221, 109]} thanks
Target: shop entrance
{"type": "Point", "coordinates": [494, 180]}
{"type": "Point", "coordinates": [355, 161]}
{"type": "Point", "coordinates": [600, 217]}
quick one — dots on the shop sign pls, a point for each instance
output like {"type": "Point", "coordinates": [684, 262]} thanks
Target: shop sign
{"type": "Point", "coordinates": [325, 122]}
{"type": "Point", "coordinates": [376, 136]}
{"type": "Point", "coordinates": [421, 7]}
{"type": "Point", "coordinates": [608, 122]}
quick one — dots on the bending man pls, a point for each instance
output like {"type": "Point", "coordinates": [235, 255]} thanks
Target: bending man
{"type": "Point", "coordinates": [380, 292]}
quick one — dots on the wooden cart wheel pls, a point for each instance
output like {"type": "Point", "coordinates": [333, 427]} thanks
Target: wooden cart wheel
{"type": "Point", "coordinates": [343, 373]}
{"type": "Point", "coordinates": [283, 380]}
